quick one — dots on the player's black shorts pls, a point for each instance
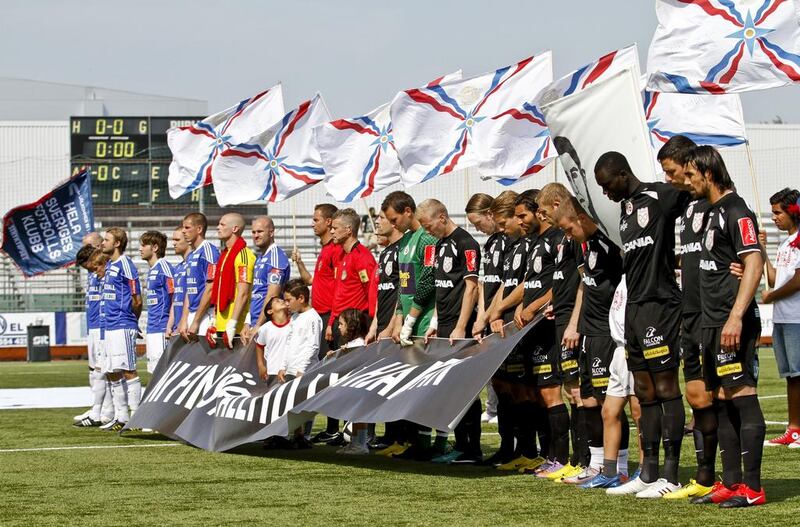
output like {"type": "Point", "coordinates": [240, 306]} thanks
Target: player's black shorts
{"type": "Point", "coordinates": [691, 335]}
{"type": "Point", "coordinates": [544, 354]}
{"type": "Point", "coordinates": [652, 335]}
{"type": "Point", "coordinates": [596, 353]}
{"type": "Point", "coordinates": [516, 367]}
{"type": "Point", "coordinates": [728, 370]}
{"type": "Point", "coordinates": [568, 358]}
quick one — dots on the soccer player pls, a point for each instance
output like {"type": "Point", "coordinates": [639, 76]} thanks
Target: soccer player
{"type": "Point", "coordinates": [182, 249]}
{"type": "Point", "coordinates": [673, 157]}
{"type": "Point", "coordinates": [566, 307]}
{"type": "Point", "coordinates": [302, 350]}
{"type": "Point", "coordinates": [479, 214]}
{"type": "Point", "coordinates": [160, 288]}
{"type": "Point", "coordinates": [201, 265]}
{"type": "Point", "coordinates": [784, 277]}
{"type": "Point", "coordinates": [122, 305]}
{"type": "Point", "coordinates": [731, 329]}
{"type": "Point", "coordinates": [272, 339]}
{"type": "Point", "coordinates": [416, 299]}
{"type": "Point", "coordinates": [233, 281]}
{"type": "Point", "coordinates": [388, 274]}
{"type": "Point", "coordinates": [601, 273]}
{"type": "Point", "coordinates": [270, 275]}
{"type": "Point", "coordinates": [456, 279]}
{"type": "Point", "coordinates": [652, 316]}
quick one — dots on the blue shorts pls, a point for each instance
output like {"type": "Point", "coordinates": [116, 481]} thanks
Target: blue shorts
{"type": "Point", "coordinates": [786, 342]}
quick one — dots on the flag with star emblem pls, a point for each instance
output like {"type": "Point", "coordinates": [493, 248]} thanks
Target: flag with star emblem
{"type": "Point", "coordinates": [194, 148]}
{"type": "Point", "coordinates": [358, 154]}
{"type": "Point", "coordinates": [448, 127]}
{"type": "Point", "coordinates": [725, 46]}
{"type": "Point", "coordinates": [274, 164]}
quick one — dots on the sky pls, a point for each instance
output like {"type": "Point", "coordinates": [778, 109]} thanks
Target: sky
{"type": "Point", "coordinates": [357, 53]}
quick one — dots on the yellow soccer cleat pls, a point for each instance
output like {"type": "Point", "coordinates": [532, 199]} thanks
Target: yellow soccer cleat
{"type": "Point", "coordinates": [519, 463]}
{"type": "Point", "coordinates": [571, 473]}
{"type": "Point", "coordinates": [692, 490]}
{"type": "Point", "coordinates": [392, 450]}
{"type": "Point", "coordinates": [558, 474]}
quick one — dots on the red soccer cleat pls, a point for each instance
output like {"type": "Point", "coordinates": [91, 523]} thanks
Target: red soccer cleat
{"type": "Point", "coordinates": [744, 497]}
{"type": "Point", "coordinates": [718, 494]}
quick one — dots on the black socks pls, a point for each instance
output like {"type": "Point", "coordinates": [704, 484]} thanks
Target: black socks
{"type": "Point", "coordinates": [559, 432]}
{"type": "Point", "coordinates": [650, 425]}
{"type": "Point", "coordinates": [672, 422]}
{"type": "Point", "coordinates": [751, 436]}
{"type": "Point", "coordinates": [705, 443]}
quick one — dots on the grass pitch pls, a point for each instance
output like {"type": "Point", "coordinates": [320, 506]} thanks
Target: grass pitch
{"type": "Point", "coordinates": [95, 478]}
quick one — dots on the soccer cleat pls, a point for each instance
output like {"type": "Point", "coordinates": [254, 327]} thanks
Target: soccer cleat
{"type": "Point", "coordinates": [633, 486]}
{"type": "Point", "coordinates": [86, 422]}
{"type": "Point", "coordinates": [718, 494]}
{"type": "Point", "coordinates": [558, 474]}
{"type": "Point", "coordinates": [521, 463]}
{"type": "Point", "coordinates": [570, 472]}
{"type": "Point", "coordinates": [447, 458]}
{"type": "Point", "coordinates": [468, 459]}
{"type": "Point", "coordinates": [789, 436]}
{"type": "Point", "coordinates": [532, 466]}
{"type": "Point", "coordinates": [113, 426]}
{"type": "Point", "coordinates": [498, 458]}
{"type": "Point", "coordinates": [555, 466]}
{"type": "Point", "coordinates": [744, 497]}
{"type": "Point", "coordinates": [300, 442]}
{"type": "Point", "coordinates": [379, 443]}
{"type": "Point", "coordinates": [658, 488]}
{"type": "Point", "coordinates": [339, 440]}
{"type": "Point", "coordinates": [81, 417]}
{"type": "Point", "coordinates": [394, 448]}
{"type": "Point", "coordinates": [601, 481]}
{"type": "Point", "coordinates": [692, 490]}
{"type": "Point", "coordinates": [324, 437]}
{"type": "Point", "coordinates": [543, 467]}
{"type": "Point", "coordinates": [354, 449]}
{"type": "Point", "coordinates": [586, 474]}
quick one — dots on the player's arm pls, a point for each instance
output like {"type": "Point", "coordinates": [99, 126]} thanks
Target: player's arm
{"type": "Point", "coordinates": [183, 323]}
{"type": "Point", "coordinates": [305, 276]}
{"type": "Point", "coordinates": [205, 300]}
{"type": "Point", "coordinates": [468, 301]}
{"type": "Point", "coordinates": [504, 304]}
{"type": "Point", "coordinates": [482, 321]}
{"type": "Point", "coordinates": [571, 335]}
{"type": "Point", "coordinates": [751, 277]}
{"type": "Point", "coordinates": [534, 307]}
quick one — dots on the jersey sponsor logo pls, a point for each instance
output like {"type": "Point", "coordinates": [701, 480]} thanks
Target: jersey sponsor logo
{"type": "Point", "coordinates": [569, 365]}
{"type": "Point", "coordinates": [599, 382]}
{"type": "Point", "coordinates": [273, 277]}
{"type": "Point", "coordinates": [404, 276]}
{"type": "Point", "coordinates": [364, 276]}
{"type": "Point", "coordinates": [653, 353]}
{"type": "Point", "coordinates": [386, 286]}
{"type": "Point", "coordinates": [471, 257]}
{"type": "Point", "coordinates": [638, 243]}
{"type": "Point", "coordinates": [708, 265]}
{"type": "Point", "coordinates": [592, 260]}
{"type": "Point", "coordinates": [650, 337]}
{"type": "Point", "coordinates": [729, 369]}
{"type": "Point", "coordinates": [542, 368]}
{"type": "Point", "coordinates": [444, 283]}
{"type": "Point", "coordinates": [430, 256]}
{"type": "Point", "coordinates": [447, 264]}
{"type": "Point", "coordinates": [748, 231]}
{"type": "Point", "coordinates": [697, 222]}
{"type": "Point", "coordinates": [517, 261]}
{"type": "Point", "coordinates": [693, 247]}
{"type": "Point", "coordinates": [643, 217]}
{"type": "Point", "coordinates": [492, 279]}
{"type": "Point", "coordinates": [537, 264]}
{"type": "Point", "coordinates": [710, 239]}
{"type": "Point", "coordinates": [533, 284]}
{"type": "Point", "coordinates": [511, 282]}
{"type": "Point", "coordinates": [152, 301]}
{"type": "Point", "coordinates": [558, 275]}
{"type": "Point", "coordinates": [590, 281]}
{"type": "Point", "coordinates": [628, 207]}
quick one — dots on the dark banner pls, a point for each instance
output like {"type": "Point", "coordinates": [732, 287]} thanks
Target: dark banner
{"type": "Point", "coordinates": [213, 399]}
{"type": "Point", "coordinates": [47, 234]}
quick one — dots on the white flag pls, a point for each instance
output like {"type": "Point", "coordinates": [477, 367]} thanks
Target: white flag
{"type": "Point", "coordinates": [725, 46]}
{"type": "Point", "coordinates": [359, 154]}
{"type": "Point", "coordinates": [437, 129]}
{"type": "Point", "coordinates": [194, 148]}
{"type": "Point", "coordinates": [275, 164]}
{"type": "Point", "coordinates": [606, 116]}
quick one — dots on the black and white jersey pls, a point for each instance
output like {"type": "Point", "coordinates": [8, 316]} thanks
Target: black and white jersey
{"type": "Point", "coordinates": [690, 231]}
{"type": "Point", "coordinates": [492, 260]}
{"type": "Point", "coordinates": [515, 263]}
{"type": "Point", "coordinates": [541, 265]}
{"type": "Point", "coordinates": [731, 231]}
{"type": "Point", "coordinates": [566, 278]}
{"type": "Point", "coordinates": [457, 258]}
{"type": "Point", "coordinates": [647, 229]}
{"type": "Point", "coordinates": [602, 272]}
{"type": "Point", "coordinates": [388, 280]}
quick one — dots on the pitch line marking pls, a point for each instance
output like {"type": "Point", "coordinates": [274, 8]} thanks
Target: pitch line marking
{"type": "Point", "coordinates": [87, 447]}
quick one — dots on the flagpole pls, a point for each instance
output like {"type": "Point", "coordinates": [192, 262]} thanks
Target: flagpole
{"type": "Point", "coordinates": [294, 225]}
{"type": "Point", "coordinates": [371, 219]}
{"type": "Point", "coordinates": [466, 195]}
{"type": "Point", "coordinates": [757, 197]}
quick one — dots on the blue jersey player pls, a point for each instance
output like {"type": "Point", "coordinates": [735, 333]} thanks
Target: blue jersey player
{"type": "Point", "coordinates": [201, 265]}
{"type": "Point", "coordinates": [160, 288]}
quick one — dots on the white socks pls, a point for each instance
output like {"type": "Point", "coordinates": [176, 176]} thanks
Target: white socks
{"type": "Point", "coordinates": [596, 457]}
{"type": "Point", "coordinates": [98, 384]}
{"type": "Point", "coordinates": [134, 393]}
{"type": "Point", "coordinates": [107, 413]}
{"type": "Point", "coordinates": [120, 401]}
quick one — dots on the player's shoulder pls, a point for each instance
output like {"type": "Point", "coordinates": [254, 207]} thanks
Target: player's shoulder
{"type": "Point", "coordinates": [278, 257]}
{"type": "Point", "coordinates": [209, 251]}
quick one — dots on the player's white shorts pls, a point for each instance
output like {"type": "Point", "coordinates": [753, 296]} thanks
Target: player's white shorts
{"type": "Point", "coordinates": [155, 344]}
{"type": "Point", "coordinates": [206, 322]}
{"type": "Point", "coordinates": [620, 380]}
{"type": "Point", "coordinates": [92, 346]}
{"type": "Point", "coordinates": [120, 349]}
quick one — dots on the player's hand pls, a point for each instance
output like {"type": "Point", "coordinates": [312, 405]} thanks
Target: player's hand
{"type": "Point", "coordinates": [262, 372]}
{"type": "Point", "coordinates": [230, 332]}
{"type": "Point", "coordinates": [457, 333]}
{"type": "Point", "coordinates": [183, 330]}
{"type": "Point", "coordinates": [497, 327]}
{"type": "Point", "coordinates": [396, 334]}
{"type": "Point", "coordinates": [762, 239]}
{"type": "Point", "coordinates": [493, 314]}
{"type": "Point", "coordinates": [245, 334]}
{"type": "Point", "coordinates": [731, 335]}
{"type": "Point", "coordinates": [296, 258]}
{"type": "Point", "coordinates": [329, 334]}
{"type": "Point", "coordinates": [194, 329]}
{"type": "Point", "coordinates": [282, 376]}
{"type": "Point", "coordinates": [737, 270]}
{"type": "Point", "coordinates": [167, 333]}
{"type": "Point", "coordinates": [766, 297]}
{"type": "Point", "coordinates": [518, 320]}
{"type": "Point", "coordinates": [430, 333]}
{"type": "Point", "coordinates": [385, 334]}
{"type": "Point", "coordinates": [407, 330]}
{"type": "Point", "coordinates": [371, 336]}
{"type": "Point", "coordinates": [549, 312]}
{"type": "Point", "coordinates": [571, 338]}
{"type": "Point", "coordinates": [478, 327]}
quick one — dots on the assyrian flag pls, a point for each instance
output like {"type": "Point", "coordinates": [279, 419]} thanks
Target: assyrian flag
{"type": "Point", "coordinates": [275, 164]}
{"type": "Point", "coordinates": [437, 129]}
{"type": "Point", "coordinates": [359, 155]}
{"type": "Point", "coordinates": [725, 46]}
{"type": "Point", "coordinates": [194, 148]}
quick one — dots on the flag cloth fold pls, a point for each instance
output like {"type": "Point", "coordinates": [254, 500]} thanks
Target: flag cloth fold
{"type": "Point", "coordinates": [194, 148]}
{"type": "Point", "coordinates": [724, 46]}
{"type": "Point", "coordinates": [275, 164]}
{"type": "Point", "coordinates": [359, 155]}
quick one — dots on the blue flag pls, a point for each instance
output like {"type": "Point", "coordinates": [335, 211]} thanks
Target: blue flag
{"type": "Point", "coordinates": [47, 234]}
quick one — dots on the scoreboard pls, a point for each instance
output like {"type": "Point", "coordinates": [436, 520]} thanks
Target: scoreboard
{"type": "Point", "coordinates": [128, 158]}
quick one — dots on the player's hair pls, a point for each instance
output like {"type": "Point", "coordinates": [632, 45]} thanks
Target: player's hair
{"type": "Point", "coordinates": [350, 218]}
{"type": "Point", "coordinates": [528, 199]}
{"type": "Point", "coordinates": [551, 193]}
{"type": "Point", "coordinates": [571, 209]}
{"type": "Point", "coordinates": [399, 201]}
{"type": "Point", "coordinates": [98, 256]}
{"type": "Point", "coordinates": [503, 204]}
{"type": "Point", "coordinates": [612, 163]}
{"type": "Point", "coordinates": [676, 149]}
{"type": "Point", "coordinates": [789, 200]}
{"type": "Point", "coordinates": [432, 207]}
{"type": "Point", "coordinates": [155, 238]}
{"type": "Point", "coordinates": [298, 288]}
{"type": "Point", "coordinates": [707, 159]}
{"type": "Point", "coordinates": [479, 203]}
{"type": "Point", "coordinates": [84, 253]}
{"type": "Point", "coordinates": [198, 219]}
{"type": "Point", "coordinates": [326, 210]}
{"type": "Point", "coordinates": [120, 236]}
{"type": "Point", "coordinates": [356, 324]}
